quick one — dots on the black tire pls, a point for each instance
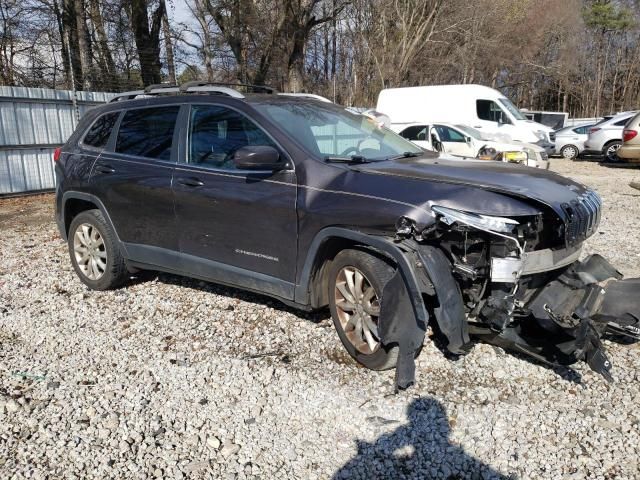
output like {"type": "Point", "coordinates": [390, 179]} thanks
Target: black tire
{"type": "Point", "coordinates": [115, 271]}
{"type": "Point", "coordinates": [610, 149]}
{"type": "Point", "coordinates": [377, 273]}
{"type": "Point", "coordinates": [570, 152]}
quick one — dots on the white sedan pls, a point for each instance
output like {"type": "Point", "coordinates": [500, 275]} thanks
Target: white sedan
{"type": "Point", "coordinates": [464, 141]}
{"type": "Point", "coordinates": [570, 140]}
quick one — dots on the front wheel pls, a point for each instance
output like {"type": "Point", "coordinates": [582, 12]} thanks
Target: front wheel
{"type": "Point", "coordinates": [356, 281]}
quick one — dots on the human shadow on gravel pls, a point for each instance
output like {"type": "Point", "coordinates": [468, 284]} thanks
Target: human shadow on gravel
{"type": "Point", "coordinates": [418, 450]}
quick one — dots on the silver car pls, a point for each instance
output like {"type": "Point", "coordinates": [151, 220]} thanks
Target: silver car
{"type": "Point", "coordinates": [605, 137]}
{"type": "Point", "coordinates": [570, 140]}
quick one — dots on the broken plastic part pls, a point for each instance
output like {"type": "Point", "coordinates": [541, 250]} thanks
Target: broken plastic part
{"type": "Point", "coordinates": [398, 325]}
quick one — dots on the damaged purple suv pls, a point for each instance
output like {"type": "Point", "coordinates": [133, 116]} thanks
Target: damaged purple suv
{"type": "Point", "coordinates": [311, 204]}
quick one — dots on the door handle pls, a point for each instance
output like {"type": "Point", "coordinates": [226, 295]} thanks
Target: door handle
{"type": "Point", "coordinates": [190, 182]}
{"type": "Point", "coordinates": [104, 169]}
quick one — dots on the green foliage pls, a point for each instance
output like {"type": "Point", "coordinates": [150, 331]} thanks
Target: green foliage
{"type": "Point", "coordinates": [608, 16]}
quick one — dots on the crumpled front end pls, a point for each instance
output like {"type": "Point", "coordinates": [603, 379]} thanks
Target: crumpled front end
{"type": "Point", "coordinates": [518, 283]}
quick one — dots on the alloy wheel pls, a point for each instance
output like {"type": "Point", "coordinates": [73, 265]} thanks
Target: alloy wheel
{"type": "Point", "coordinates": [89, 251]}
{"type": "Point", "coordinates": [612, 152]}
{"type": "Point", "coordinates": [570, 152]}
{"type": "Point", "coordinates": [358, 307]}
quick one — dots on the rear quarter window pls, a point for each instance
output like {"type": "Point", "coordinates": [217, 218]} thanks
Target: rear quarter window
{"type": "Point", "coordinates": [147, 132]}
{"type": "Point", "coordinates": [98, 134]}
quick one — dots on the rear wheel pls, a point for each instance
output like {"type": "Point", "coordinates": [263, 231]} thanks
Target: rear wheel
{"type": "Point", "coordinates": [570, 152]}
{"type": "Point", "coordinates": [610, 151]}
{"type": "Point", "coordinates": [356, 281]}
{"type": "Point", "coordinates": [94, 251]}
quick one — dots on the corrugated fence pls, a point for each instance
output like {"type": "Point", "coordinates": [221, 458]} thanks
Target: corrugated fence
{"type": "Point", "coordinates": [33, 122]}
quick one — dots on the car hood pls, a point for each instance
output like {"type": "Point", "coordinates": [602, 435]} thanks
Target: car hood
{"type": "Point", "coordinates": [518, 181]}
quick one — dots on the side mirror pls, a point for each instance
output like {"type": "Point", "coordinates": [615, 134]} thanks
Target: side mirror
{"type": "Point", "coordinates": [467, 139]}
{"type": "Point", "coordinates": [258, 157]}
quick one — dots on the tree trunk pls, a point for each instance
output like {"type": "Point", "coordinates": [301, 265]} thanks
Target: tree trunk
{"type": "Point", "coordinates": [70, 29]}
{"type": "Point", "coordinates": [147, 40]}
{"type": "Point", "coordinates": [168, 46]}
{"type": "Point", "coordinates": [108, 66]}
{"type": "Point", "coordinates": [83, 44]}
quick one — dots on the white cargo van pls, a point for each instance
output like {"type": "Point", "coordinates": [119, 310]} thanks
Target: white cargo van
{"type": "Point", "coordinates": [477, 106]}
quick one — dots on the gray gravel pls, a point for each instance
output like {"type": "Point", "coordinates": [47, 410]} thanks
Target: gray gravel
{"type": "Point", "coordinates": [176, 378]}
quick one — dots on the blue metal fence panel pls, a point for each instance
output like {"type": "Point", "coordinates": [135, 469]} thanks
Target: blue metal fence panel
{"type": "Point", "coordinates": [32, 122]}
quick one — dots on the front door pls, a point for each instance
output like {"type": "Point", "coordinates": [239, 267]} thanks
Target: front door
{"type": "Point", "coordinates": [492, 118]}
{"type": "Point", "coordinates": [236, 226]}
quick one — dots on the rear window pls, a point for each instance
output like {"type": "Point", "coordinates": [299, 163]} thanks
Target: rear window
{"type": "Point", "coordinates": [147, 132]}
{"type": "Point", "coordinates": [98, 134]}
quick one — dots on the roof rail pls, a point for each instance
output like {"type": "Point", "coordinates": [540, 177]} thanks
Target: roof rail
{"type": "Point", "coordinates": [307, 95]}
{"type": "Point", "coordinates": [251, 88]}
{"type": "Point", "coordinates": [192, 87]}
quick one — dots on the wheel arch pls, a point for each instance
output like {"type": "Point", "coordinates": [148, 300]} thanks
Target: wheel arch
{"type": "Point", "coordinates": [311, 289]}
{"type": "Point", "coordinates": [74, 203]}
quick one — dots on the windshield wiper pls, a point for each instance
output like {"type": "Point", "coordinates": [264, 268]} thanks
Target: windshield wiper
{"type": "Point", "coordinates": [406, 155]}
{"type": "Point", "coordinates": [351, 159]}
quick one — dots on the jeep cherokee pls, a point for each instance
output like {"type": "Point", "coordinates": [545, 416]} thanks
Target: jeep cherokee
{"type": "Point", "coordinates": [309, 203]}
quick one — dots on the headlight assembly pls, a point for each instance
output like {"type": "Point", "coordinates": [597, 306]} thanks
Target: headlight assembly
{"type": "Point", "coordinates": [481, 222]}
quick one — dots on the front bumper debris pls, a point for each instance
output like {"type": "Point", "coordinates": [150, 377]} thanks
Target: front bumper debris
{"type": "Point", "coordinates": [563, 321]}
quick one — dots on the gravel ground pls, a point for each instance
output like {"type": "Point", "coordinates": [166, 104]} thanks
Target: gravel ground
{"type": "Point", "coordinates": [176, 378]}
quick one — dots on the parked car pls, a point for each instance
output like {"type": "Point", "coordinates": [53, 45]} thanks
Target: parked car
{"type": "Point", "coordinates": [464, 141]}
{"type": "Point", "coordinates": [570, 141]}
{"type": "Point", "coordinates": [630, 149]}
{"type": "Point", "coordinates": [480, 107]}
{"type": "Point", "coordinates": [306, 202]}
{"type": "Point", "coordinates": [605, 137]}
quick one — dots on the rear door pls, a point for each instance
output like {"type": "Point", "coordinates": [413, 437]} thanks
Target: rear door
{"type": "Point", "coordinates": [418, 134]}
{"type": "Point", "coordinates": [132, 177]}
{"type": "Point", "coordinates": [236, 226]}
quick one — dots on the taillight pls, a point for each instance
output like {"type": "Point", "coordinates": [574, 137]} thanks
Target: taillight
{"type": "Point", "coordinates": [629, 134]}
{"type": "Point", "coordinates": [56, 154]}
{"type": "Point", "coordinates": [594, 130]}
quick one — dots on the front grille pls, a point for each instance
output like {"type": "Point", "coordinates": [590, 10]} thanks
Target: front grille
{"type": "Point", "coordinates": [583, 217]}
{"type": "Point", "coordinates": [552, 136]}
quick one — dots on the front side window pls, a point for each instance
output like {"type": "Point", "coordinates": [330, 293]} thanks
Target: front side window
{"type": "Point", "coordinates": [147, 132]}
{"type": "Point", "coordinates": [98, 134]}
{"type": "Point", "coordinates": [216, 133]}
{"type": "Point", "coordinates": [328, 130]}
{"type": "Point", "coordinates": [490, 110]}
{"type": "Point", "coordinates": [447, 134]}
{"type": "Point", "coordinates": [415, 133]}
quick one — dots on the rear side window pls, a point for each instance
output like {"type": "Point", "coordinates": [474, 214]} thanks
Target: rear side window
{"type": "Point", "coordinates": [98, 134]}
{"type": "Point", "coordinates": [622, 123]}
{"type": "Point", "coordinates": [415, 132]}
{"type": "Point", "coordinates": [147, 132]}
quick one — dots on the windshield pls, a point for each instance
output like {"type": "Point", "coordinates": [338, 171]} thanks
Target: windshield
{"type": "Point", "coordinates": [328, 130]}
{"type": "Point", "coordinates": [472, 132]}
{"type": "Point", "coordinates": [513, 110]}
